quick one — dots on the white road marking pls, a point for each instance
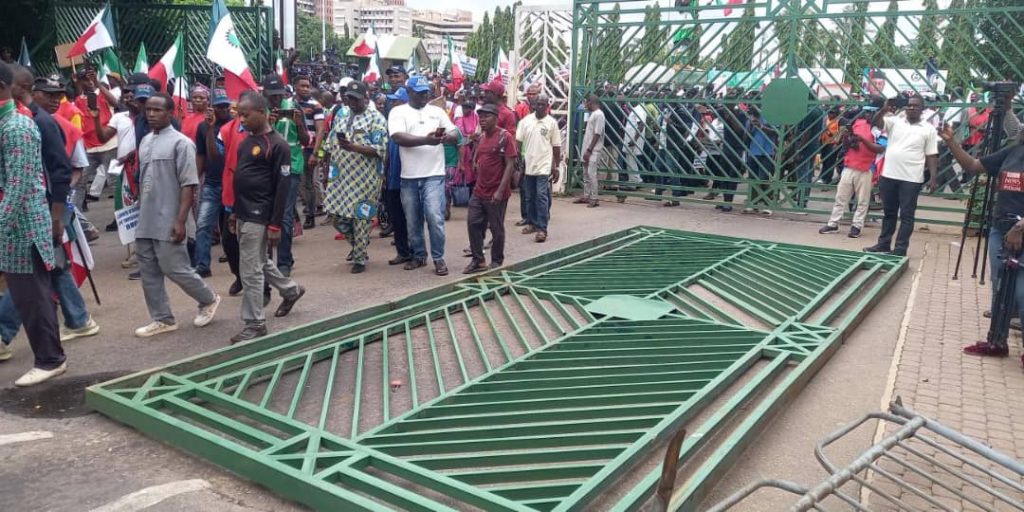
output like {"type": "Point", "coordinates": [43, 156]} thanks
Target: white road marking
{"type": "Point", "coordinates": [150, 496]}
{"type": "Point", "coordinates": [25, 437]}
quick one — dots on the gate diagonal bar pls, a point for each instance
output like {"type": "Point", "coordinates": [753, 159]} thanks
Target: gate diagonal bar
{"type": "Point", "coordinates": [679, 83]}
{"type": "Point", "coordinates": [549, 385]}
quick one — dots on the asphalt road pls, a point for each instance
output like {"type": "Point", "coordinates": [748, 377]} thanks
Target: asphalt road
{"type": "Point", "coordinates": [88, 461]}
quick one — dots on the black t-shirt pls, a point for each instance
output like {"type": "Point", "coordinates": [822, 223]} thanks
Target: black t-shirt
{"type": "Point", "coordinates": [213, 168]}
{"type": "Point", "coordinates": [261, 178]}
{"type": "Point", "coordinates": [1007, 167]}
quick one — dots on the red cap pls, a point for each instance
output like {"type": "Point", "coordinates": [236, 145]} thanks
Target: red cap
{"type": "Point", "coordinates": [495, 86]}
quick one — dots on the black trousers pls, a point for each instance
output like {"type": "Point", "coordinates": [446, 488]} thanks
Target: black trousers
{"type": "Point", "coordinates": [229, 241]}
{"type": "Point", "coordinates": [33, 298]}
{"type": "Point", "coordinates": [393, 204]}
{"type": "Point", "coordinates": [484, 215]}
{"type": "Point", "coordinates": [899, 201]}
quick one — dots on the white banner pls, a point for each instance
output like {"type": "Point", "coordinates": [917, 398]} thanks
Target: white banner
{"type": "Point", "coordinates": [127, 221]}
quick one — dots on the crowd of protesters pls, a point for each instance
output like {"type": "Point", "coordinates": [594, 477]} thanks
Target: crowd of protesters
{"type": "Point", "coordinates": [250, 174]}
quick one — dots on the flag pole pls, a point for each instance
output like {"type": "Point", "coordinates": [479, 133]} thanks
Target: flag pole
{"type": "Point", "coordinates": [88, 272]}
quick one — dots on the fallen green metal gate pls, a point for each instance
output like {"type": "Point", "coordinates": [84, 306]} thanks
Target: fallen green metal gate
{"type": "Point", "coordinates": [548, 386]}
{"type": "Point", "coordinates": [677, 79]}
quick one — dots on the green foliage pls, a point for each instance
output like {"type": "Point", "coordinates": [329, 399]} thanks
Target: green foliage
{"type": "Point", "coordinates": [654, 42]}
{"type": "Point", "coordinates": [883, 49]}
{"type": "Point", "coordinates": [307, 37]}
{"type": "Point", "coordinates": [1002, 42]}
{"type": "Point", "coordinates": [926, 45]}
{"type": "Point", "coordinates": [957, 50]}
{"type": "Point", "coordinates": [494, 33]}
{"type": "Point", "coordinates": [738, 46]}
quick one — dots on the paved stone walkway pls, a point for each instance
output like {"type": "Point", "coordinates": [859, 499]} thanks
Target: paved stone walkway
{"type": "Point", "coordinates": [981, 397]}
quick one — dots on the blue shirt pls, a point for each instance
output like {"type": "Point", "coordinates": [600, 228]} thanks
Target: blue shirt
{"type": "Point", "coordinates": [394, 166]}
{"type": "Point", "coordinates": [760, 143]}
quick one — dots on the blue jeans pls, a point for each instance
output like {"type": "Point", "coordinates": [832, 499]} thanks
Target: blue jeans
{"type": "Point", "coordinates": [209, 215]}
{"type": "Point", "coordinates": [284, 246]}
{"type": "Point", "coordinates": [995, 260]}
{"type": "Point", "coordinates": [423, 200]}
{"type": "Point", "coordinates": [71, 305]}
{"type": "Point", "coordinates": [537, 196]}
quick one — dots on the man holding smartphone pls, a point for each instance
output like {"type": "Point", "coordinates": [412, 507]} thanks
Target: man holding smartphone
{"type": "Point", "coordinates": [356, 145]}
{"type": "Point", "coordinates": [419, 130]}
{"type": "Point", "coordinates": [94, 97]}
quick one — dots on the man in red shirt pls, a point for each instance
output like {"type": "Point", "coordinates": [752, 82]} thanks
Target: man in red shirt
{"type": "Point", "coordinates": [230, 136]}
{"type": "Point", "coordinates": [96, 93]}
{"type": "Point", "coordinates": [861, 150]}
{"type": "Point", "coordinates": [494, 160]}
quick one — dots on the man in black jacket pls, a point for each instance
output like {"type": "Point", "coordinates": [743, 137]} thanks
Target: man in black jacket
{"type": "Point", "coordinates": [261, 195]}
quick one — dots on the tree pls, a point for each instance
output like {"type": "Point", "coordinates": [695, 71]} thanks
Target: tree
{"type": "Point", "coordinates": [855, 28]}
{"type": "Point", "coordinates": [738, 47]}
{"type": "Point", "coordinates": [417, 31]}
{"type": "Point", "coordinates": [607, 55]}
{"type": "Point", "coordinates": [1001, 42]}
{"type": "Point", "coordinates": [926, 44]}
{"type": "Point", "coordinates": [307, 37]}
{"type": "Point", "coordinates": [957, 50]}
{"type": "Point", "coordinates": [883, 49]}
{"type": "Point", "coordinates": [654, 41]}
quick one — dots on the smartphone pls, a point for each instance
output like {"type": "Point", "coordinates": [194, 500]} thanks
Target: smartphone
{"type": "Point", "coordinates": [439, 132]}
{"type": "Point", "coordinates": [91, 101]}
{"type": "Point", "coordinates": [341, 135]}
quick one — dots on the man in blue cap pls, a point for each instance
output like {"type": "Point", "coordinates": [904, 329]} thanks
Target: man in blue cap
{"type": "Point", "coordinates": [419, 130]}
{"type": "Point", "coordinates": [393, 190]}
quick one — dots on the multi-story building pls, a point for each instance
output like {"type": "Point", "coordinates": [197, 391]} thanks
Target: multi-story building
{"type": "Point", "coordinates": [306, 6]}
{"type": "Point", "coordinates": [387, 17]}
{"type": "Point", "coordinates": [435, 27]}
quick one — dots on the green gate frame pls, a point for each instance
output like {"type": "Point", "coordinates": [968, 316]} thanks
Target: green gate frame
{"type": "Point", "coordinates": [775, 39]}
{"type": "Point", "coordinates": [538, 387]}
{"type": "Point", "coordinates": [255, 27]}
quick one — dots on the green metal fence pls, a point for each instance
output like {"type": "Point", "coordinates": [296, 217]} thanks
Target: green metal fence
{"type": "Point", "coordinates": [157, 26]}
{"type": "Point", "coordinates": [681, 81]}
{"type": "Point", "coordinates": [549, 385]}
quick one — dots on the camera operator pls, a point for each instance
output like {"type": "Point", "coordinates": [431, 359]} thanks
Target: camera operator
{"type": "Point", "coordinates": [1007, 232]}
{"type": "Point", "coordinates": [861, 148]}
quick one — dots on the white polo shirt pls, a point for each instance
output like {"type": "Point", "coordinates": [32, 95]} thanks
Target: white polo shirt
{"type": "Point", "coordinates": [420, 161]}
{"type": "Point", "coordinates": [907, 148]}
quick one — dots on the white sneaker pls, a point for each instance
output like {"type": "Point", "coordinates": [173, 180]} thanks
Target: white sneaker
{"type": "Point", "coordinates": [5, 351]}
{"type": "Point", "coordinates": [91, 328]}
{"type": "Point", "coordinates": [206, 313]}
{"type": "Point", "coordinates": [38, 376]}
{"type": "Point", "coordinates": [155, 328]}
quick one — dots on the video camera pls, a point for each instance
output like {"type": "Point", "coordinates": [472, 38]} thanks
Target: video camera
{"type": "Point", "coordinates": [1000, 87]}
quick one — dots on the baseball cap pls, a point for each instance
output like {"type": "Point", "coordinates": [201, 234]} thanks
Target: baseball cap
{"type": "Point", "coordinates": [418, 84]}
{"type": "Point", "coordinates": [272, 84]}
{"type": "Point", "coordinates": [356, 90]}
{"type": "Point", "coordinates": [397, 68]}
{"type": "Point", "coordinates": [144, 92]}
{"type": "Point", "coordinates": [50, 83]}
{"type": "Point", "coordinates": [220, 97]}
{"type": "Point", "coordinates": [401, 94]}
{"type": "Point", "coordinates": [489, 108]}
{"type": "Point", "coordinates": [494, 86]}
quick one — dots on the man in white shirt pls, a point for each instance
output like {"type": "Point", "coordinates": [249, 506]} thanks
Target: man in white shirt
{"type": "Point", "coordinates": [420, 130]}
{"type": "Point", "coordinates": [913, 144]}
{"type": "Point", "coordinates": [593, 151]}
{"type": "Point", "coordinates": [541, 148]}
